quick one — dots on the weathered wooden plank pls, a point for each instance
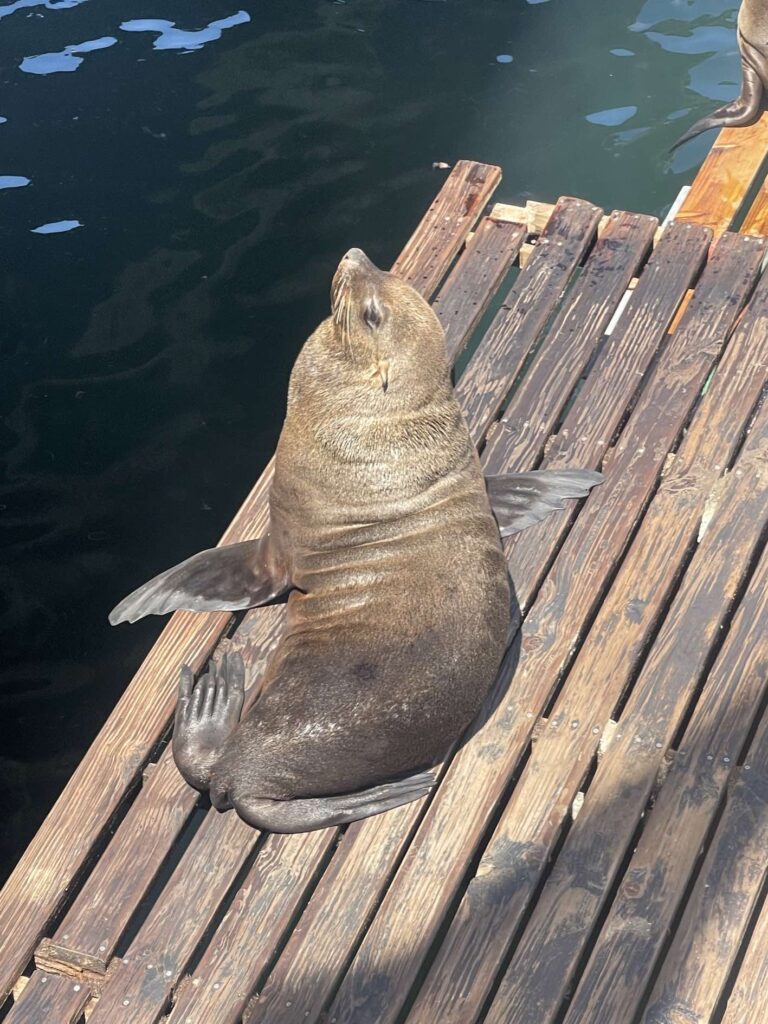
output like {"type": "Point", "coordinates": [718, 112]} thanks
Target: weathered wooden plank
{"type": "Point", "coordinates": [566, 350]}
{"type": "Point", "coordinates": [254, 927]}
{"type": "Point", "coordinates": [51, 862]}
{"type": "Point", "coordinates": [390, 956]}
{"type": "Point", "coordinates": [474, 280]}
{"type": "Point", "coordinates": [454, 212]}
{"type": "Point", "coordinates": [137, 991]}
{"type": "Point", "coordinates": [87, 937]}
{"type": "Point", "coordinates": [493, 907]}
{"type": "Point", "coordinates": [748, 1002]}
{"type": "Point", "coordinates": [525, 312]}
{"type": "Point", "coordinates": [698, 963]}
{"type": "Point", "coordinates": [44, 1001]}
{"type": "Point", "coordinates": [627, 949]}
{"type": "Point", "coordinates": [314, 960]}
{"type": "Point", "coordinates": [726, 176]}
{"type": "Point", "coordinates": [756, 220]}
{"type": "Point", "coordinates": [595, 416]}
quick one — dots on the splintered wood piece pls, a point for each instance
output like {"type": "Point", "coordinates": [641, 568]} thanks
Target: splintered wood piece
{"type": "Point", "coordinates": [45, 999]}
{"type": "Point", "coordinates": [48, 868]}
{"type": "Point", "coordinates": [108, 771]}
{"type": "Point", "coordinates": [457, 208]}
{"type": "Point", "coordinates": [627, 949]}
{"type": "Point", "coordinates": [253, 928]}
{"type": "Point", "coordinates": [390, 956]}
{"type": "Point", "coordinates": [137, 991]}
{"type": "Point", "coordinates": [618, 374]}
{"type": "Point", "coordinates": [696, 968]}
{"type": "Point", "coordinates": [525, 312]}
{"type": "Point", "coordinates": [474, 280]}
{"type": "Point", "coordinates": [493, 908]}
{"type": "Point", "coordinates": [565, 351]}
{"type": "Point", "coordinates": [726, 176]}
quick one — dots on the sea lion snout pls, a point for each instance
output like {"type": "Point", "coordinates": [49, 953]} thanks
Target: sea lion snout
{"type": "Point", "coordinates": [358, 257]}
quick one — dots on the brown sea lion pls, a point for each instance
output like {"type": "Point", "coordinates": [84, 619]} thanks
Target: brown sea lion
{"type": "Point", "coordinates": [399, 611]}
{"type": "Point", "coordinates": [752, 29]}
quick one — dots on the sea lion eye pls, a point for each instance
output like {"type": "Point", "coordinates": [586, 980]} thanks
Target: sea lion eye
{"type": "Point", "coordinates": [373, 314]}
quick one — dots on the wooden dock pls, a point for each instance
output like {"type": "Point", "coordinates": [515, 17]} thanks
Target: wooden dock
{"type": "Point", "coordinates": [597, 852]}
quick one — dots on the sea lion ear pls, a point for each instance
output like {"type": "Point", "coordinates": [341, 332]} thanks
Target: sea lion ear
{"type": "Point", "coordinates": [373, 312]}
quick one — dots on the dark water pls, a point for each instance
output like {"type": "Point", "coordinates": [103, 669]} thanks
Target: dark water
{"type": "Point", "coordinates": [195, 186]}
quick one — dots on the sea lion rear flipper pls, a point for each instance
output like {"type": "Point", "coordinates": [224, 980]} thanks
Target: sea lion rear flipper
{"type": "Point", "coordinates": [320, 812]}
{"type": "Point", "coordinates": [519, 500]}
{"type": "Point", "coordinates": [228, 578]}
{"type": "Point", "coordinates": [747, 106]}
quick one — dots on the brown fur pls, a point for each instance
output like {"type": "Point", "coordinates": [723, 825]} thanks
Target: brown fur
{"type": "Point", "coordinates": [380, 515]}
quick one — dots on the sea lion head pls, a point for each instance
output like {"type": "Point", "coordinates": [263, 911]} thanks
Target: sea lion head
{"type": "Point", "coordinates": [385, 332]}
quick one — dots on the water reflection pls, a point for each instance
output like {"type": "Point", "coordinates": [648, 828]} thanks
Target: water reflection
{"type": "Point", "coordinates": [13, 181]}
{"type": "Point", "coordinates": [20, 5]}
{"type": "Point", "coordinates": [57, 227]}
{"type": "Point", "coordinates": [172, 38]}
{"type": "Point", "coordinates": [613, 117]}
{"type": "Point", "coordinates": [66, 59]}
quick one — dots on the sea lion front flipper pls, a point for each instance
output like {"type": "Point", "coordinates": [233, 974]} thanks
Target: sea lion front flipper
{"type": "Point", "coordinates": [228, 578]}
{"type": "Point", "coordinates": [320, 812]}
{"type": "Point", "coordinates": [519, 500]}
{"type": "Point", "coordinates": [747, 106]}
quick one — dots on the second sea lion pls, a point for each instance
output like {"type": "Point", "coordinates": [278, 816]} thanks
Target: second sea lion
{"type": "Point", "coordinates": [399, 610]}
{"type": "Point", "coordinates": [752, 29]}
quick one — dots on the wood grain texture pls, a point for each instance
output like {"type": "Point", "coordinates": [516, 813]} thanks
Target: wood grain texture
{"type": "Point", "coordinates": [569, 903]}
{"type": "Point", "coordinates": [44, 1001]}
{"type": "Point", "coordinates": [441, 232]}
{"type": "Point", "coordinates": [756, 220]}
{"type": "Point", "coordinates": [474, 280]}
{"type": "Point", "coordinates": [254, 927]}
{"type": "Point", "coordinates": [414, 906]}
{"type": "Point", "coordinates": [315, 958]}
{"type": "Point", "coordinates": [726, 176]}
{"type": "Point", "coordinates": [574, 335]}
{"type": "Point", "coordinates": [733, 875]}
{"type": "Point", "coordinates": [524, 314]}
{"type": "Point", "coordinates": [137, 991]}
{"type": "Point", "coordinates": [619, 372]}
{"type": "Point", "coordinates": [748, 1001]}
{"type": "Point", "coordinates": [52, 861]}
{"type": "Point", "coordinates": [513, 863]}
{"type": "Point", "coordinates": [615, 980]}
